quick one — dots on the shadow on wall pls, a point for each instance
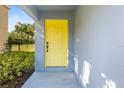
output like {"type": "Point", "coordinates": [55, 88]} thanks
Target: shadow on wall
{"type": "Point", "coordinates": [85, 75]}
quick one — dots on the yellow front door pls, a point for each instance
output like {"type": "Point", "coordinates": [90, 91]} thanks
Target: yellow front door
{"type": "Point", "coordinates": [56, 43]}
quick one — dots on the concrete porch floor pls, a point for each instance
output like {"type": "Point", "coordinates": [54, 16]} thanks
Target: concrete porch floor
{"type": "Point", "coordinates": [52, 80]}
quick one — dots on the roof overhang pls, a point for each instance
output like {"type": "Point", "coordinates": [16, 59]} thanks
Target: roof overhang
{"type": "Point", "coordinates": [35, 11]}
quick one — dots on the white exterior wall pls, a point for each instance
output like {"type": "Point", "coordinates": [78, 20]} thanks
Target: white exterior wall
{"type": "Point", "coordinates": [99, 45]}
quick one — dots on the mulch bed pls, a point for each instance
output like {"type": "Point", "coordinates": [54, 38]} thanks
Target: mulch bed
{"type": "Point", "coordinates": [18, 82]}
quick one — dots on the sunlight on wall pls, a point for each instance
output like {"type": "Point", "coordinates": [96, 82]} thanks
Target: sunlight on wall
{"type": "Point", "coordinates": [76, 64]}
{"type": "Point", "coordinates": [108, 82]}
{"type": "Point", "coordinates": [85, 74]}
{"type": "Point", "coordinates": [39, 34]}
{"type": "Point", "coordinates": [103, 75]}
{"type": "Point", "coordinates": [78, 40]}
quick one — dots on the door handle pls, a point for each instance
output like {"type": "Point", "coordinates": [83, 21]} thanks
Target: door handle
{"type": "Point", "coordinates": [47, 46]}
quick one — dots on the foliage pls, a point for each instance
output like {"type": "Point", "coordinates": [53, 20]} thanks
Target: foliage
{"type": "Point", "coordinates": [14, 64]}
{"type": "Point", "coordinates": [22, 34]}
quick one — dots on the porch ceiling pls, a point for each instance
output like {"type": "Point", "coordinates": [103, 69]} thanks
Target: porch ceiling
{"type": "Point", "coordinates": [35, 10]}
{"type": "Point", "coordinates": [45, 8]}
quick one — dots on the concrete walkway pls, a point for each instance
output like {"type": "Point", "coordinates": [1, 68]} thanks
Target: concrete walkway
{"type": "Point", "coordinates": [52, 80]}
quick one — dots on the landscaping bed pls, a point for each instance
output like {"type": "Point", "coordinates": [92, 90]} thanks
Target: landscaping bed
{"type": "Point", "coordinates": [15, 68]}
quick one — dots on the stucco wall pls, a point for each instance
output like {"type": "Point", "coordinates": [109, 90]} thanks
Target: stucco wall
{"type": "Point", "coordinates": [99, 45]}
{"type": "Point", "coordinates": [3, 26]}
{"type": "Point", "coordinates": [39, 40]}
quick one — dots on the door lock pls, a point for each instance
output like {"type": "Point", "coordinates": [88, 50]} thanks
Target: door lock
{"type": "Point", "coordinates": [47, 46]}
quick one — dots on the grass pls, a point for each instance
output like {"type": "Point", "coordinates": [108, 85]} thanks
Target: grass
{"type": "Point", "coordinates": [15, 68]}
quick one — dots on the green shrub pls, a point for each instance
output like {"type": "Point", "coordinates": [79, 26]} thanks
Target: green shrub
{"type": "Point", "coordinates": [14, 64]}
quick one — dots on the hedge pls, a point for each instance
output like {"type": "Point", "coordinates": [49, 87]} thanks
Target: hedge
{"type": "Point", "coordinates": [14, 64]}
